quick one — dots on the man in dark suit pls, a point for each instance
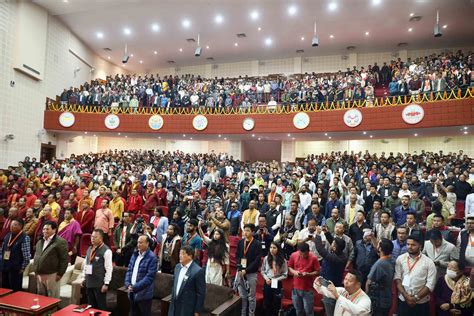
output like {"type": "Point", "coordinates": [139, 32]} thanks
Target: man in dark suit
{"type": "Point", "coordinates": [189, 286]}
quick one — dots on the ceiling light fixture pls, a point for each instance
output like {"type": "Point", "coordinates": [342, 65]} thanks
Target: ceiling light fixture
{"type": "Point", "coordinates": [302, 38]}
{"type": "Point", "coordinates": [259, 28]}
{"type": "Point", "coordinates": [100, 35]}
{"type": "Point", "coordinates": [445, 26]}
{"type": "Point", "coordinates": [119, 134]}
{"type": "Point", "coordinates": [437, 29]}
{"type": "Point", "coordinates": [219, 19]}
{"type": "Point", "coordinates": [186, 23]}
{"type": "Point", "coordinates": [127, 31]}
{"type": "Point", "coordinates": [371, 136]}
{"type": "Point", "coordinates": [219, 135]}
{"type": "Point", "coordinates": [331, 36]}
{"type": "Point", "coordinates": [207, 47]}
{"type": "Point", "coordinates": [412, 14]}
{"type": "Point", "coordinates": [315, 39]}
{"type": "Point", "coordinates": [141, 61]}
{"type": "Point", "coordinates": [254, 15]}
{"type": "Point", "coordinates": [253, 135]}
{"type": "Point", "coordinates": [155, 52]}
{"type": "Point", "coordinates": [465, 132]}
{"type": "Point", "coordinates": [190, 138]}
{"type": "Point", "coordinates": [376, 2]}
{"type": "Point", "coordinates": [184, 135]}
{"type": "Point", "coordinates": [415, 134]}
{"type": "Point", "coordinates": [289, 135]}
{"type": "Point", "coordinates": [126, 136]}
{"type": "Point", "coordinates": [259, 138]}
{"type": "Point", "coordinates": [330, 137]}
{"type": "Point", "coordinates": [268, 41]}
{"type": "Point", "coordinates": [332, 6]}
{"type": "Point", "coordinates": [325, 134]}
{"type": "Point", "coordinates": [292, 10]}
{"type": "Point", "coordinates": [410, 29]}
{"type": "Point", "coordinates": [155, 27]}
{"type": "Point", "coordinates": [131, 55]}
{"type": "Point", "coordinates": [108, 57]}
{"type": "Point", "coordinates": [365, 133]}
{"type": "Point", "coordinates": [181, 50]}
{"type": "Point", "coordinates": [225, 138]}
{"type": "Point", "coordinates": [465, 127]}
{"type": "Point", "coordinates": [367, 33]}
{"type": "Point", "coordinates": [236, 44]}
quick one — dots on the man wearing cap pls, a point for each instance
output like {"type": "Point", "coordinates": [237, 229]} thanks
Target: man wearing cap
{"type": "Point", "coordinates": [415, 275]}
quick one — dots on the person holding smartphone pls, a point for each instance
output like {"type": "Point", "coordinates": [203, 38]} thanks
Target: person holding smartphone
{"type": "Point", "coordinates": [274, 270]}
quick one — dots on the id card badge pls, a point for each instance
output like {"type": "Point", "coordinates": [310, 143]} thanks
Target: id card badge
{"type": "Point", "coordinates": [263, 246]}
{"type": "Point", "coordinates": [406, 282]}
{"type": "Point", "coordinates": [88, 269]}
{"type": "Point", "coordinates": [274, 284]}
{"type": "Point", "coordinates": [243, 263]}
{"type": "Point", "coordinates": [6, 255]}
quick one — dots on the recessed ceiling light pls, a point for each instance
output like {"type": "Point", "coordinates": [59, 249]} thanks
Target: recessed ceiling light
{"type": "Point", "coordinates": [207, 47]}
{"type": "Point", "coordinates": [364, 133]}
{"type": "Point", "coordinates": [268, 41]}
{"type": "Point", "coordinates": [292, 10]}
{"type": "Point", "coordinates": [95, 135]}
{"type": "Point", "coordinates": [259, 138]}
{"type": "Point", "coordinates": [186, 23]}
{"type": "Point", "coordinates": [332, 6]}
{"type": "Point", "coordinates": [302, 38]}
{"type": "Point", "coordinates": [180, 49]}
{"type": "Point", "coordinates": [65, 1]}
{"type": "Point", "coordinates": [141, 61]}
{"type": "Point", "coordinates": [376, 2]}
{"type": "Point", "coordinates": [331, 36]}
{"type": "Point", "coordinates": [293, 138]}
{"type": "Point", "coordinates": [254, 15]}
{"type": "Point", "coordinates": [155, 52]}
{"type": "Point", "coordinates": [445, 26]}
{"type": "Point", "coordinates": [131, 55]}
{"type": "Point", "coordinates": [99, 35]}
{"type": "Point", "coordinates": [127, 31]}
{"type": "Point", "coordinates": [225, 138]}
{"type": "Point", "coordinates": [415, 134]}
{"type": "Point", "coordinates": [330, 137]}
{"type": "Point", "coordinates": [367, 33]}
{"type": "Point", "coordinates": [325, 134]}
{"type": "Point", "coordinates": [465, 132]}
{"type": "Point", "coordinates": [410, 29]}
{"type": "Point", "coordinates": [190, 138]}
{"type": "Point", "coordinates": [236, 44]}
{"type": "Point", "coordinates": [159, 137]}
{"type": "Point", "coordinates": [289, 135]}
{"type": "Point", "coordinates": [126, 136]}
{"type": "Point", "coordinates": [108, 57]}
{"type": "Point", "coordinates": [412, 14]}
{"type": "Point", "coordinates": [465, 127]}
{"type": "Point", "coordinates": [119, 134]}
{"type": "Point", "coordinates": [371, 136]}
{"type": "Point", "coordinates": [259, 28]}
{"type": "Point", "coordinates": [155, 27]}
{"type": "Point", "coordinates": [184, 135]}
{"type": "Point", "coordinates": [219, 135]}
{"type": "Point", "coordinates": [85, 133]}
{"type": "Point", "coordinates": [253, 135]}
{"type": "Point", "coordinates": [219, 19]}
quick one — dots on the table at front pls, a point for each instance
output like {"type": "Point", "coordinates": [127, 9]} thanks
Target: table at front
{"type": "Point", "coordinates": [4, 292]}
{"type": "Point", "coordinates": [19, 303]}
{"type": "Point", "coordinates": [67, 311]}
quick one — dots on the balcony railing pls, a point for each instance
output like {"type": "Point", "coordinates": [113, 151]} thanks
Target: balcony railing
{"type": "Point", "coordinates": [282, 108]}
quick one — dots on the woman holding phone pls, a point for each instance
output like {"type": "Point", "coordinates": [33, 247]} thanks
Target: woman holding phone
{"type": "Point", "coordinates": [274, 270]}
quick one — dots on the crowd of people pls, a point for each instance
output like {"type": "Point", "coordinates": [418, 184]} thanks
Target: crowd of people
{"type": "Point", "coordinates": [434, 73]}
{"type": "Point", "coordinates": [347, 225]}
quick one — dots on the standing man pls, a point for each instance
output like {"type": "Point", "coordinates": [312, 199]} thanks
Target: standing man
{"type": "Point", "coordinates": [123, 242]}
{"type": "Point", "coordinates": [140, 277]}
{"type": "Point", "coordinates": [304, 266]}
{"type": "Point", "coordinates": [104, 220]}
{"type": "Point", "coordinates": [50, 261]}
{"type": "Point", "coordinates": [191, 238]}
{"type": "Point", "coordinates": [380, 278]}
{"type": "Point", "coordinates": [14, 256]}
{"type": "Point", "coordinates": [97, 271]}
{"type": "Point", "coordinates": [189, 286]}
{"type": "Point", "coordinates": [248, 262]}
{"type": "Point", "coordinates": [70, 230]}
{"type": "Point", "coordinates": [415, 275]}
{"type": "Point", "coordinates": [85, 217]}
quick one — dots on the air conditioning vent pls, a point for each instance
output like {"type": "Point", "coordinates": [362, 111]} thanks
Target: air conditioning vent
{"type": "Point", "coordinates": [402, 44]}
{"type": "Point", "coordinates": [107, 49]}
{"type": "Point", "coordinates": [241, 35]}
{"type": "Point", "coordinates": [190, 40]}
{"type": "Point", "coordinates": [170, 61]}
{"type": "Point", "coordinates": [210, 58]}
{"type": "Point", "coordinates": [350, 47]}
{"type": "Point", "coordinates": [416, 18]}
{"type": "Point", "coordinates": [300, 51]}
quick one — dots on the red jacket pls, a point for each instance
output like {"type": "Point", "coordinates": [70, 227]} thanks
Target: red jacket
{"type": "Point", "coordinates": [134, 203]}
{"type": "Point", "coordinates": [162, 196]}
{"type": "Point", "coordinates": [30, 200]}
{"type": "Point", "coordinates": [86, 219]}
{"type": "Point", "coordinates": [98, 202]}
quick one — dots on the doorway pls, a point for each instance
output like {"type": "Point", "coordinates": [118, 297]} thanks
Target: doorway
{"type": "Point", "coordinates": [48, 152]}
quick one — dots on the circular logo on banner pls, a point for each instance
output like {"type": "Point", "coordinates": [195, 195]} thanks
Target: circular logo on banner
{"type": "Point", "coordinates": [155, 122]}
{"type": "Point", "coordinates": [353, 118]}
{"type": "Point", "coordinates": [301, 120]}
{"type": "Point", "coordinates": [413, 114]}
{"type": "Point", "coordinates": [112, 121]}
{"type": "Point", "coordinates": [200, 122]}
{"type": "Point", "coordinates": [67, 119]}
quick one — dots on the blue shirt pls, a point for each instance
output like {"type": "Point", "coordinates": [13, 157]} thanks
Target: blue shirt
{"type": "Point", "coordinates": [333, 204]}
{"type": "Point", "coordinates": [398, 250]}
{"type": "Point", "coordinates": [400, 215]}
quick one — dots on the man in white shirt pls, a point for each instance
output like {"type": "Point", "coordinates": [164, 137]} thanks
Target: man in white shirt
{"type": "Point", "coordinates": [415, 275]}
{"type": "Point", "coordinates": [469, 204]}
{"type": "Point", "coordinates": [305, 198]}
{"type": "Point", "coordinates": [350, 299]}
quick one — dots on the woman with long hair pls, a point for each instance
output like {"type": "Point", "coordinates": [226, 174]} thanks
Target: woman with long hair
{"type": "Point", "coordinates": [274, 270]}
{"type": "Point", "coordinates": [218, 262]}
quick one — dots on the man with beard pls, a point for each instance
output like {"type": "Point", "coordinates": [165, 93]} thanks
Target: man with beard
{"type": "Point", "coordinates": [191, 238]}
{"type": "Point", "coordinates": [287, 236]}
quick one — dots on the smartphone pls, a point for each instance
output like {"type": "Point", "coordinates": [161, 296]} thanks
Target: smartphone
{"type": "Point", "coordinates": [324, 282]}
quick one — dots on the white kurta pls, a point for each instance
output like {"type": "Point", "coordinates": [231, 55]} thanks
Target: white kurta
{"type": "Point", "coordinates": [360, 306]}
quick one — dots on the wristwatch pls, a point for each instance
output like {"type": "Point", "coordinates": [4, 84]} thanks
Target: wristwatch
{"type": "Point", "coordinates": [416, 297]}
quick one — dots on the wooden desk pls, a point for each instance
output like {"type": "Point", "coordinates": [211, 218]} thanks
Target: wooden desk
{"type": "Point", "coordinates": [19, 303]}
{"type": "Point", "coordinates": [67, 311]}
{"type": "Point", "coordinates": [4, 292]}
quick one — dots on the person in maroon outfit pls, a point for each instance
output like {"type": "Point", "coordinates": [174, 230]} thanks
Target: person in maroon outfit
{"type": "Point", "coordinates": [86, 218]}
{"type": "Point", "coordinates": [134, 202]}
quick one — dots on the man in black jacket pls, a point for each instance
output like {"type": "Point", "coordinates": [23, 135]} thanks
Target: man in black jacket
{"type": "Point", "coordinates": [248, 262]}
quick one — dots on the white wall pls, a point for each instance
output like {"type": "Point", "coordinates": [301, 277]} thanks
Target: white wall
{"type": "Point", "coordinates": [21, 107]}
{"type": "Point", "coordinates": [403, 145]}
{"type": "Point", "coordinates": [68, 145]}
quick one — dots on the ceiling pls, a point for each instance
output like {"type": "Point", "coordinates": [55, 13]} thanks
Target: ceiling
{"type": "Point", "coordinates": [283, 23]}
{"type": "Point", "coordinates": [330, 136]}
